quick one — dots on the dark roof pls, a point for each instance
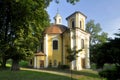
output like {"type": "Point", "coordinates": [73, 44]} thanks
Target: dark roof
{"type": "Point", "coordinates": [55, 29]}
{"type": "Point", "coordinates": [75, 13]}
{"type": "Point", "coordinates": [40, 54]}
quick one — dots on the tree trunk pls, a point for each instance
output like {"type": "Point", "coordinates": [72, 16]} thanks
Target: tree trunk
{"type": "Point", "coordinates": [3, 63]}
{"type": "Point", "coordinates": [15, 65]}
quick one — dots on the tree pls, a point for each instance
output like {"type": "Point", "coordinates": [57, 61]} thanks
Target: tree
{"type": "Point", "coordinates": [97, 37]}
{"type": "Point", "coordinates": [69, 1]}
{"type": "Point", "coordinates": [22, 23]}
{"type": "Point", "coordinates": [117, 34]}
{"type": "Point", "coordinates": [109, 52]}
{"type": "Point", "coordinates": [21, 29]}
{"type": "Point", "coordinates": [72, 55]}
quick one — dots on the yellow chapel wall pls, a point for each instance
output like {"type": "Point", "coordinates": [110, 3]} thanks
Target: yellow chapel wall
{"type": "Point", "coordinates": [66, 44]}
{"type": "Point", "coordinates": [54, 54]}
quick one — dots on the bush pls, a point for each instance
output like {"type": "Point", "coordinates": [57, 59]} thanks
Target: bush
{"type": "Point", "coordinates": [111, 74]}
{"type": "Point", "coordinates": [23, 63]}
{"type": "Point", "coordinates": [93, 66]}
{"type": "Point", "coordinates": [64, 67]}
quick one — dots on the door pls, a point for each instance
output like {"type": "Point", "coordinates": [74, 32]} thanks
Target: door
{"type": "Point", "coordinates": [41, 63]}
{"type": "Point", "coordinates": [83, 62]}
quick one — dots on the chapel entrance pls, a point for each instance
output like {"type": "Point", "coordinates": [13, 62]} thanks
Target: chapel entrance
{"type": "Point", "coordinates": [41, 63]}
{"type": "Point", "coordinates": [83, 62]}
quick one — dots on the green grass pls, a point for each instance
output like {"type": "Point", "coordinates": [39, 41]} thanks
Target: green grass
{"type": "Point", "coordinates": [87, 75]}
{"type": "Point", "coordinates": [30, 75]}
{"type": "Point", "coordinates": [33, 75]}
{"type": "Point", "coordinates": [81, 75]}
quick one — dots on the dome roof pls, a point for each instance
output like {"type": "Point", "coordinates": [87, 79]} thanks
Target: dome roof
{"type": "Point", "coordinates": [55, 29]}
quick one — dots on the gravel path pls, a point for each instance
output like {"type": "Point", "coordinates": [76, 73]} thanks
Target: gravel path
{"type": "Point", "coordinates": [53, 72]}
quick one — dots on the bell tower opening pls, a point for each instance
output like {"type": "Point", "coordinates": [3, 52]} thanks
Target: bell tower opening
{"type": "Point", "coordinates": [72, 23]}
{"type": "Point", "coordinates": [77, 19]}
{"type": "Point", "coordinates": [58, 18]}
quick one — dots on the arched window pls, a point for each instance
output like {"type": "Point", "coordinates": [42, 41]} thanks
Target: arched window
{"type": "Point", "coordinates": [50, 63]}
{"type": "Point", "coordinates": [55, 62]}
{"type": "Point", "coordinates": [80, 24]}
{"type": "Point", "coordinates": [82, 43]}
{"type": "Point", "coordinates": [73, 24]}
{"type": "Point", "coordinates": [55, 44]}
{"type": "Point", "coordinates": [59, 20]}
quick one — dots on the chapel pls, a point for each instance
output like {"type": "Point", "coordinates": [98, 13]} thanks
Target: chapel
{"type": "Point", "coordinates": [58, 38]}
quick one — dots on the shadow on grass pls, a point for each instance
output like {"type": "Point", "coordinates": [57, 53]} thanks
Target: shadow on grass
{"type": "Point", "coordinates": [88, 73]}
{"type": "Point", "coordinates": [30, 75]}
{"type": "Point", "coordinates": [3, 69]}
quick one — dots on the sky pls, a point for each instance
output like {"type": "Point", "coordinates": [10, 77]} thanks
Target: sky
{"type": "Point", "coordinates": [105, 12]}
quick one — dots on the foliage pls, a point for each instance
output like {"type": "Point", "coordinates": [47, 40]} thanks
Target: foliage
{"type": "Point", "coordinates": [64, 67]}
{"type": "Point", "coordinates": [111, 74]}
{"type": "Point", "coordinates": [109, 52]}
{"type": "Point", "coordinates": [69, 1]}
{"type": "Point", "coordinates": [23, 63]}
{"type": "Point", "coordinates": [117, 34]}
{"type": "Point", "coordinates": [72, 54]}
{"type": "Point", "coordinates": [97, 38]}
{"type": "Point", "coordinates": [22, 22]}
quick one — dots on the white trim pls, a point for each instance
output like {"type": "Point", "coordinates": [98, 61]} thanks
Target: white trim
{"type": "Point", "coordinates": [35, 65]}
{"type": "Point", "coordinates": [46, 49]}
{"type": "Point", "coordinates": [87, 55]}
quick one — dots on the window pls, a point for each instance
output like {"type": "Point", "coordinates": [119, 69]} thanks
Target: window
{"type": "Point", "coordinates": [59, 20]}
{"type": "Point", "coordinates": [55, 44]}
{"type": "Point", "coordinates": [31, 62]}
{"type": "Point", "coordinates": [80, 24]}
{"type": "Point", "coordinates": [82, 43]}
{"type": "Point", "coordinates": [73, 24]}
{"type": "Point", "coordinates": [55, 62]}
{"type": "Point", "coordinates": [50, 63]}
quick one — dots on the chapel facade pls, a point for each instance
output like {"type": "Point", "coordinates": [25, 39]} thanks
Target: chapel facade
{"type": "Point", "coordinates": [58, 37]}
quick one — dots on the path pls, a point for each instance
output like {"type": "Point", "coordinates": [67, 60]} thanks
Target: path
{"type": "Point", "coordinates": [53, 72]}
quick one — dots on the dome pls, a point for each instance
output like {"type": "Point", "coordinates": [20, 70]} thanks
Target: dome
{"type": "Point", "coordinates": [55, 29]}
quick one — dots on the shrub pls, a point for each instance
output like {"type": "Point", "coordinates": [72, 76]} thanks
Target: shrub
{"type": "Point", "coordinates": [23, 63]}
{"type": "Point", "coordinates": [111, 74]}
{"type": "Point", "coordinates": [64, 66]}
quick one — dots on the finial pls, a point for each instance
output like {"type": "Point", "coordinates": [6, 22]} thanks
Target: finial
{"type": "Point", "coordinates": [57, 10]}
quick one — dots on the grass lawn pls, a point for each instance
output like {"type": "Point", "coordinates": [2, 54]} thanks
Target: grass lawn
{"type": "Point", "coordinates": [82, 75]}
{"type": "Point", "coordinates": [33, 75]}
{"type": "Point", "coordinates": [30, 75]}
{"type": "Point", "coordinates": [87, 75]}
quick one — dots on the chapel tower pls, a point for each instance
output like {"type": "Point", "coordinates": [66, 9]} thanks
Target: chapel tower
{"type": "Point", "coordinates": [79, 38]}
{"type": "Point", "coordinates": [58, 19]}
